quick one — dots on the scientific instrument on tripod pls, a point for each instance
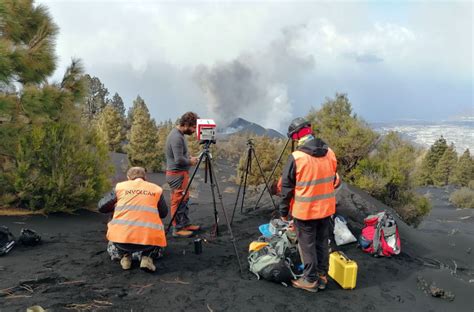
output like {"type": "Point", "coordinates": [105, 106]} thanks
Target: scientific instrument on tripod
{"type": "Point", "coordinates": [206, 136]}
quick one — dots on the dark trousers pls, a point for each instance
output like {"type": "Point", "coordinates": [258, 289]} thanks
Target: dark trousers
{"type": "Point", "coordinates": [313, 243]}
{"type": "Point", "coordinates": [128, 249]}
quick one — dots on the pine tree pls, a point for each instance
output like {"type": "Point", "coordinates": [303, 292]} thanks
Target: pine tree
{"type": "Point", "coordinates": [50, 161]}
{"type": "Point", "coordinates": [142, 147]}
{"type": "Point", "coordinates": [96, 97]}
{"type": "Point", "coordinates": [163, 129]}
{"type": "Point", "coordinates": [445, 166]}
{"type": "Point", "coordinates": [350, 137]}
{"type": "Point", "coordinates": [129, 120]}
{"type": "Point", "coordinates": [464, 170]}
{"type": "Point", "coordinates": [429, 162]}
{"type": "Point", "coordinates": [27, 42]}
{"type": "Point", "coordinates": [117, 103]}
{"type": "Point", "coordinates": [110, 128]}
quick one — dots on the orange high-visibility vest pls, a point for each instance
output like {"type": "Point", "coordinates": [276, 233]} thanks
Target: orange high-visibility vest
{"type": "Point", "coordinates": [136, 218]}
{"type": "Point", "coordinates": [314, 196]}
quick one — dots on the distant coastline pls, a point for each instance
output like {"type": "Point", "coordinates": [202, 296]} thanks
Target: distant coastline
{"type": "Point", "coordinates": [425, 133]}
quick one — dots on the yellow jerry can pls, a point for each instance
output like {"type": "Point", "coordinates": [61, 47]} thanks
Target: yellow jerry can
{"type": "Point", "coordinates": [343, 270]}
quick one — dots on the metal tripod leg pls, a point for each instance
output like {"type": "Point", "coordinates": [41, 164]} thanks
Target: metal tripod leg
{"type": "Point", "coordinates": [242, 177]}
{"type": "Point", "coordinates": [273, 172]}
{"type": "Point", "coordinates": [264, 179]}
{"type": "Point", "coordinates": [215, 231]}
{"type": "Point", "coordinates": [232, 238]}
{"type": "Point", "coordinates": [247, 170]}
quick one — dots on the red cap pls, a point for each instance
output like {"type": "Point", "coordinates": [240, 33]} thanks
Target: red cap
{"type": "Point", "coordinates": [303, 132]}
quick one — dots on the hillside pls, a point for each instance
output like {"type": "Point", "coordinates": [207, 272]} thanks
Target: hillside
{"type": "Point", "coordinates": [242, 126]}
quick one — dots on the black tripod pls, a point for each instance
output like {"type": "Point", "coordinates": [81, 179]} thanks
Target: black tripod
{"type": "Point", "coordinates": [207, 157]}
{"type": "Point", "coordinates": [273, 170]}
{"type": "Point", "coordinates": [243, 178]}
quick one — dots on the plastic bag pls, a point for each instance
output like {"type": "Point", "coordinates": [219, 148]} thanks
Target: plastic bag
{"type": "Point", "coordinates": [342, 234]}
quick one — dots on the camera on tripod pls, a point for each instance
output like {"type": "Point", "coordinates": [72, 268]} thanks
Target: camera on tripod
{"type": "Point", "coordinates": [206, 131]}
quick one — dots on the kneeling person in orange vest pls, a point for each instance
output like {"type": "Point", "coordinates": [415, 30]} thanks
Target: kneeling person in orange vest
{"type": "Point", "coordinates": [307, 190]}
{"type": "Point", "coordinates": [138, 207]}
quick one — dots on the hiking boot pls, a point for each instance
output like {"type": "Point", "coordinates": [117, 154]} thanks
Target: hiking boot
{"type": "Point", "coordinates": [126, 262]}
{"type": "Point", "coordinates": [304, 284]}
{"type": "Point", "coordinates": [182, 233]}
{"type": "Point", "coordinates": [322, 282]}
{"type": "Point", "coordinates": [146, 264]}
{"type": "Point", "coordinates": [192, 227]}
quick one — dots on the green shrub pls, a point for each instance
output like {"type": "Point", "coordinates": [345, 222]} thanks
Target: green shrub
{"type": "Point", "coordinates": [471, 185]}
{"type": "Point", "coordinates": [413, 207]}
{"type": "Point", "coordinates": [267, 151]}
{"type": "Point", "coordinates": [60, 169]}
{"type": "Point", "coordinates": [463, 198]}
{"type": "Point", "coordinates": [347, 135]}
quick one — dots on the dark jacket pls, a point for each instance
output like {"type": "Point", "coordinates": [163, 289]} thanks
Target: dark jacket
{"type": "Point", "coordinates": [107, 204]}
{"type": "Point", "coordinates": [314, 147]}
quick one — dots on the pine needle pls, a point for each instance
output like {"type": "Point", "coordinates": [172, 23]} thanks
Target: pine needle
{"type": "Point", "coordinates": [175, 281]}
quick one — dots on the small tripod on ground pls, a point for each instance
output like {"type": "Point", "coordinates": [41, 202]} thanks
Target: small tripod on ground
{"type": "Point", "coordinates": [207, 157]}
{"type": "Point", "coordinates": [243, 179]}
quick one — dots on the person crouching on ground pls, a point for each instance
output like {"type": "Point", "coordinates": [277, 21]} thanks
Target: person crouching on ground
{"type": "Point", "coordinates": [139, 207]}
{"type": "Point", "coordinates": [178, 162]}
{"type": "Point", "coordinates": [308, 181]}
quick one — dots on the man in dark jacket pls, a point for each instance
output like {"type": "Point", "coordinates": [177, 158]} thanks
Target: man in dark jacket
{"type": "Point", "coordinates": [307, 190]}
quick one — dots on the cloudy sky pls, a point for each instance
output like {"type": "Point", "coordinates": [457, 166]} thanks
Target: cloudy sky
{"type": "Point", "coordinates": [271, 61]}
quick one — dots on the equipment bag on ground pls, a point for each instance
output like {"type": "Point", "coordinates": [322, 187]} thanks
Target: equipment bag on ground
{"type": "Point", "coordinates": [7, 240]}
{"type": "Point", "coordinates": [380, 235]}
{"type": "Point", "coordinates": [342, 234]}
{"type": "Point", "coordinates": [275, 262]}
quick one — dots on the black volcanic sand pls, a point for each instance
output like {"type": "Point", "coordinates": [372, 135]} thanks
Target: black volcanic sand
{"type": "Point", "coordinates": [71, 270]}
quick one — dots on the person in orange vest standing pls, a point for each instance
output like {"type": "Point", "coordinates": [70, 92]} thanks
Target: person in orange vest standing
{"type": "Point", "coordinates": [139, 207]}
{"type": "Point", "coordinates": [178, 162]}
{"type": "Point", "coordinates": [307, 189]}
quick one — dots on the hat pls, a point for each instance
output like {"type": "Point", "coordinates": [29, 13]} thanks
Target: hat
{"type": "Point", "coordinates": [298, 128]}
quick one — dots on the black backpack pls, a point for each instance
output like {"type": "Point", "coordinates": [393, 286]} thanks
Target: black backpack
{"type": "Point", "coordinates": [7, 240]}
{"type": "Point", "coordinates": [29, 237]}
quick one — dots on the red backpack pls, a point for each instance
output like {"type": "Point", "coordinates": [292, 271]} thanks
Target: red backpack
{"type": "Point", "coordinates": [380, 235]}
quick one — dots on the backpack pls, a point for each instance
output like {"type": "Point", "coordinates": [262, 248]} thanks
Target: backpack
{"type": "Point", "coordinates": [29, 237]}
{"type": "Point", "coordinates": [275, 262]}
{"type": "Point", "coordinates": [7, 240]}
{"type": "Point", "coordinates": [380, 236]}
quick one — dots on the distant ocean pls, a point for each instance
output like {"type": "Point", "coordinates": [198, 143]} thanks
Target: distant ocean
{"type": "Point", "coordinates": [424, 134]}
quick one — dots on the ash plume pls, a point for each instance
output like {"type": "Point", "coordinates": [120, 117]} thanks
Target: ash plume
{"type": "Point", "coordinates": [255, 85]}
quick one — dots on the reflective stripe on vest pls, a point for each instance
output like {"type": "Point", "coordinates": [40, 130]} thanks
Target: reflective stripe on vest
{"type": "Point", "coordinates": [312, 199]}
{"type": "Point", "coordinates": [136, 218]}
{"type": "Point", "coordinates": [316, 182]}
{"type": "Point", "coordinates": [314, 190]}
{"type": "Point", "coordinates": [136, 208]}
{"type": "Point", "coordinates": [138, 223]}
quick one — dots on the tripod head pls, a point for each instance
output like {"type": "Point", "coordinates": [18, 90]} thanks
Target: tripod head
{"type": "Point", "coordinates": [206, 144]}
{"type": "Point", "coordinates": [250, 142]}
